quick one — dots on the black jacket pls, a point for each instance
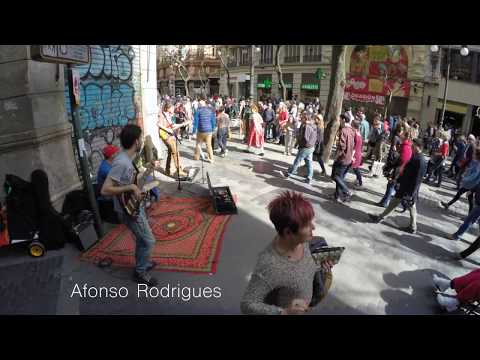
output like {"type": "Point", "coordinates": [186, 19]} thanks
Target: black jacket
{"type": "Point", "coordinates": [412, 176]}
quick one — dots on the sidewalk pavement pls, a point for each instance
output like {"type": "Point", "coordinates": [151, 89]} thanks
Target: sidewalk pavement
{"type": "Point", "coordinates": [383, 270]}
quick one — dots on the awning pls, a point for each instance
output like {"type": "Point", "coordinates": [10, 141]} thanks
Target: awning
{"type": "Point", "coordinates": [455, 107]}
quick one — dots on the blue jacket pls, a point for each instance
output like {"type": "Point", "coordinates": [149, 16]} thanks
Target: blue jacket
{"type": "Point", "coordinates": [472, 175]}
{"type": "Point", "coordinates": [364, 129]}
{"type": "Point", "coordinates": [204, 120]}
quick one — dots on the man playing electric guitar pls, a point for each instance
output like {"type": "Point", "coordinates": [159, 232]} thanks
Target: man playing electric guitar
{"type": "Point", "coordinates": [121, 179]}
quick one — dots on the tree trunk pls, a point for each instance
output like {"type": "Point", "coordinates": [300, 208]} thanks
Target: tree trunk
{"type": "Point", "coordinates": [335, 99]}
{"type": "Point", "coordinates": [279, 72]}
{"type": "Point", "coordinates": [228, 75]}
{"type": "Point", "coordinates": [185, 78]}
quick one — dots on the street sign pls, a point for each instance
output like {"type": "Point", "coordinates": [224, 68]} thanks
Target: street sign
{"type": "Point", "coordinates": [63, 54]}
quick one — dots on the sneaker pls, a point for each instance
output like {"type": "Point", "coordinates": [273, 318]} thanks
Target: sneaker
{"type": "Point", "coordinates": [409, 230]}
{"type": "Point", "coordinates": [452, 237]}
{"type": "Point", "coordinates": [222, 155]}
{"type": "Point", "coordinates": [381, 204]}
{"type": "Point", "coordinates": [448, 303]}
{"type": "Point", "coordinates": [261, 154]}
{"type": "Point", "coordinates": [145, 278]}
{"type": "Point", "coordinates": [440, 283]}
{"type": "Point", "coordinates": [151, 266]}
{"type": "Point", "coordinates": [285, 174]}
{"type": "Point", "coordinates": [375, 218]}
{"type": "Point", "coordinates": [444, 204]}
{"type": "Point", "coordinates": [307, 181]}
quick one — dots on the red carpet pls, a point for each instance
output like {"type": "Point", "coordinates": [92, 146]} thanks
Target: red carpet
{"type": "Point", "coordinates": [188, 233]}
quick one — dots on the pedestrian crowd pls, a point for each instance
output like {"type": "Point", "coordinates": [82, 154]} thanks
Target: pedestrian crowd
{"type": "Point", "coordinates": [393, 147]}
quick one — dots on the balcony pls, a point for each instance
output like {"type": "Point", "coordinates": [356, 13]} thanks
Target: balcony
{"type": "Point", "coordinates": [312, 58]}
{"type": "Point", "coordinates": [291, 59]}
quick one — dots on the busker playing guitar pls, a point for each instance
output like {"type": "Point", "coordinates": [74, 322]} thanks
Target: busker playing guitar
{"type": "Point", "coordinates": [121, 179]}
{"type": "Point", "coordinates": [165, 122]}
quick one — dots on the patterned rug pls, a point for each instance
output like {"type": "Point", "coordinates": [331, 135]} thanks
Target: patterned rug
{"type": "Point", "coordinates": [188, 232]}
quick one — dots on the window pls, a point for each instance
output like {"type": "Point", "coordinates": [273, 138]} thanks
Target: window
{"type": "Point", "coordinates": [312, 53]}
{"type": "Point", "coordinates": [461, 67]}
{"type": "Point", "coordinates": [232, 57]}
{"type": "Point", "coordinates": [245, 56]}
{"type": "Point", "coordinates": [477, 67]}
{"type": "Point", "coordinates": [292, 53]}
{"type": "Point", "coordinates": [266, 54]}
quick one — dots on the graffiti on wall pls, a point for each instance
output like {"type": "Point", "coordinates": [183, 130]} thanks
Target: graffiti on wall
{"type": "Point", "coordinates": [107, 97]}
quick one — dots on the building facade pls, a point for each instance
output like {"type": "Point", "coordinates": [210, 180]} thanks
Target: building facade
{"type": "Point", "coordinates": [203, 68]}
{"type": "Point", "coordinates": [117, 87]}
{"type": "Point", "coordinates": [305, 68]}
{"type": "Point", "coordinates": [463, 95]}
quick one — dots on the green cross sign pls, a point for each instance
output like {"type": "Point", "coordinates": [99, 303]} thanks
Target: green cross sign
{"type": "Point", "coordinates": [320, 74]}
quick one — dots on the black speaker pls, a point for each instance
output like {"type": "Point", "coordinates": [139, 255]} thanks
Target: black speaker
{"type": "Point", "coordinates": [86, 235]}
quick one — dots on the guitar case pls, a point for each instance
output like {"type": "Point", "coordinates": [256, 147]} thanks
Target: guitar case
{"type": "Point", "coordinates": [23, 217]}
{"type": "Point", "coordinates": [53, 228]}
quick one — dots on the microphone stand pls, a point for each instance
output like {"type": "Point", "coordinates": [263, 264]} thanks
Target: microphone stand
{"type": "Point", "coordinates": [177, 140]}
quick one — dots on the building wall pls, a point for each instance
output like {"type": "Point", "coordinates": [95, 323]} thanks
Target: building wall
{"type": "Point", "coordinates": [110, 96]}
{"type": "Point", "coordinates": [296, 69]}
{"type": "Point", "coordinates": [34, 130]}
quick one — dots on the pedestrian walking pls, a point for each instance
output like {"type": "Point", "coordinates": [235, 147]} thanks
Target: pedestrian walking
{"type": "Point", "coordinates": [319, 146]}
{"type": "Point", "coordinates": [343, 160]}
{"type": "Point", "coordinates": [307, 138]}
{"type": "Point", "coordinates": [204, 123]}
{"type": "Point", "coordinates": [290, 131]}
{"type": "Point", "coordinates": [409, 187]}
{"type": "Point", "coordinates": [223, 125]}
{"type": "Point", "coordinates": [256, 136]}
{"type": "Point", "coordinates": [357, 160]}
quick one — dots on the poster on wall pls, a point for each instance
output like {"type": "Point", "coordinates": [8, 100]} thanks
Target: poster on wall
{"type": "Point", "coordinates": [76, 86]}
{"type": "Point", "coordinates": [378, 70]}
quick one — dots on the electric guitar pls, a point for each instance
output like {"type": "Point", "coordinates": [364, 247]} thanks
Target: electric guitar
{"type": "Point", "coordinates": [129, 202]}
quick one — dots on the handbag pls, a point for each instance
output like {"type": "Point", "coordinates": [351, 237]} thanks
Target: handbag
{"type": "Point", "coordinates": [377, 168]}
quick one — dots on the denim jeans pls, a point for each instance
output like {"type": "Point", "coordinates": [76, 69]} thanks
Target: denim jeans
{"type": "Point", "coordinates": [307, 155]}
{"type": "Point", "coordinates": [358, 174]}
{"type": "Point", "coordinates": [389, 193]}
{"type": "Point", "coordinates": [339, 173]}
{"type": "Point", "coordinates": [469, 221]}
{"type": "Point", "coordinates": [270, 132]}
{"type": "Point", "coordinates": [222, 134]}
{"type": "Point", "coordinates": [144, 239]}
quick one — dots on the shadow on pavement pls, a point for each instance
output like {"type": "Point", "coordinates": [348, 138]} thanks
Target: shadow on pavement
{"type": "Point", "coordinates": [420, 298]}
{"type": "Point", "coordinates": [422, 246]}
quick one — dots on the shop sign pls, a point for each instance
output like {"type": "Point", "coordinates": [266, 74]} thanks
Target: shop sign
{"type": "Point", "coordinates": [63, 54]}
{"type": "Point", "coordinates": [366, 98]}
{"type": "Point", "coordinates": [266, 84]}
{"type": "Point", "coordinates": [309, 87]}
{"type": "Point", "coordinates": [458, 108]}
{"type": "Point", "coordinates": [287, 86]}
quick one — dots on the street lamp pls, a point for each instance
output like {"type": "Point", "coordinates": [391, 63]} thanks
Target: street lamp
{"type": "Point", "coordinates": [464, 52]}
{"type": "Point", "coordinates": [252, 68]}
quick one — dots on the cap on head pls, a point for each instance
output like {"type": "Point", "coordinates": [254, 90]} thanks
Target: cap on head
{"type": "Point", "coordinates": [109, 150]}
